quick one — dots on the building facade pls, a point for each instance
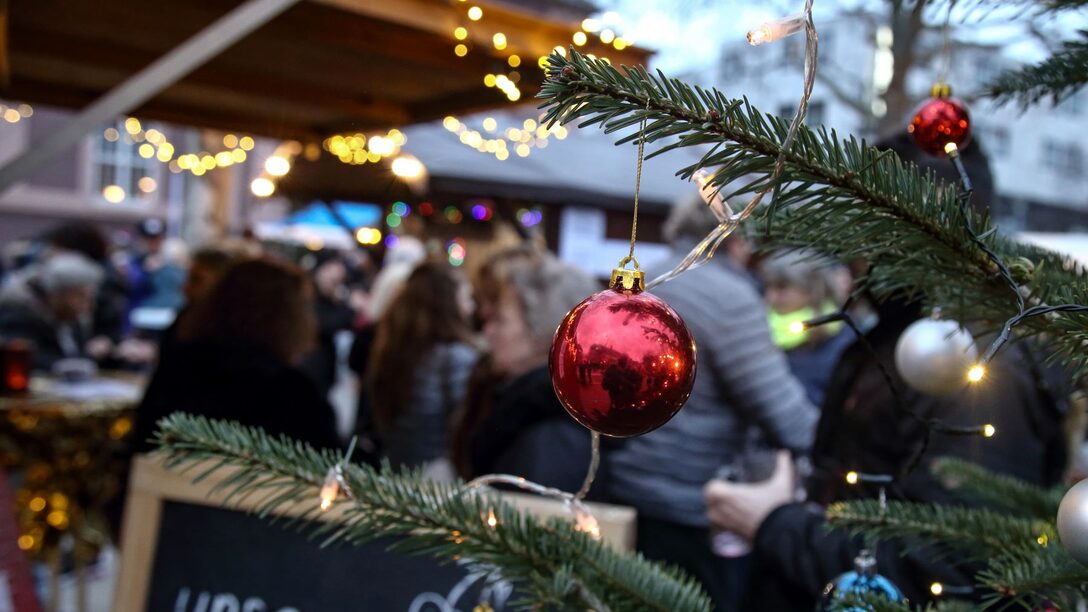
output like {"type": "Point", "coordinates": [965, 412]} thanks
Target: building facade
{"type": "Point", "coordinates": [1037, 156]}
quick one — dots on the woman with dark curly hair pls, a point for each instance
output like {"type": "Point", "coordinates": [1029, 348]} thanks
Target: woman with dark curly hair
{"type": "Point", "coordinates": [237, 358]}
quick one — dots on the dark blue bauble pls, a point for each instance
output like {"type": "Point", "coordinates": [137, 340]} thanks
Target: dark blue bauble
{"type": "Point", "coordinates": [862, 580]}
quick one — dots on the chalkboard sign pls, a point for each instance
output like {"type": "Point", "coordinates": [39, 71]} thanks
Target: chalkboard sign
{"type": "Point", "coordinates": [182, 552]}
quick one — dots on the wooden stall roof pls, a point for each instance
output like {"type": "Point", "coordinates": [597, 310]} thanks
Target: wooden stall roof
{"type": "Point", "coordinates": [323, 66]}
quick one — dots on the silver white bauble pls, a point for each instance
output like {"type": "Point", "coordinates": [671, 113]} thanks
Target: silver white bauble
{"type": "Point", "coordinates": [933, 356]}
{"type": "Point", "coordinates": [1073, 522]}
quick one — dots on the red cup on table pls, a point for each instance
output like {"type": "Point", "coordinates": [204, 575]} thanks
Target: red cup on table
{"type": "Point", "coordinates": [16, 359]}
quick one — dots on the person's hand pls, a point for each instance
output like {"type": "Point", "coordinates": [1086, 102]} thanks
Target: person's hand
{"type": "Point", "coordinates": [136, 351]}
{"type": "Point", "coordinates": [99, 347]}
{"type": "Point", "coordinates": [742, 507]}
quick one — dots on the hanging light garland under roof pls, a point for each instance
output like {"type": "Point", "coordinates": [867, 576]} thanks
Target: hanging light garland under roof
{"type": "Point", "coordinates": [15, 113]}
{"type": "Point", "coordinates": [153, 143]}
{"type": "Point", "coordinates": [519, 141]}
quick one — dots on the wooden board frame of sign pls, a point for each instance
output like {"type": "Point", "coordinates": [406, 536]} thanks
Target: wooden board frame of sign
{"type": "Point", "coordinates": [151, 485]}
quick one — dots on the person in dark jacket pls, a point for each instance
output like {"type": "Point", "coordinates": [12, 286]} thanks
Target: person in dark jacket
{"type": "Point", "coordinates": [333, 315]}
{"type": "Point", "coordinates": [237, 359]}
{"type": "Point", "coordinates": [862, 429]}
{"type": "Point", "coordinates": [513, 422]}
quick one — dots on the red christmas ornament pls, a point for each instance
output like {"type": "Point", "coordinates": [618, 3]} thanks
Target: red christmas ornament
{"type": "Point", "coordinates": [622, 362]}
{"type": "Point", "coordinates": [940, 120]}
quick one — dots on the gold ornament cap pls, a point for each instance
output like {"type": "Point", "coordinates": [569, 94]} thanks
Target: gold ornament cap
{"type": "Point", "coordinates": [628, 280]}
{"type": "Point", "coordinates": [940, 90]}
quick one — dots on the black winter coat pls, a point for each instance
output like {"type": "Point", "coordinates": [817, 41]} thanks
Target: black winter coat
{"type": "Point", "coordinates": [530, 434]}
{"type": "Point", "coordinates": [237, 382]}
{"type": "Point", "coordinates": [794, 556]}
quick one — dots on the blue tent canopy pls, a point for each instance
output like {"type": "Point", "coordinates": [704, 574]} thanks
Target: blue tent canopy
{"type": "Point", "coordinates": [357, 214]}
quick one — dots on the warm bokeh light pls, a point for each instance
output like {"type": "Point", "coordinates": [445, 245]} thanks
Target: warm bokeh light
{"type": "Point", "coordinates": [262, 187]}
{"type": "Point", "coordinates": [132, 125]}
{"type": "Point", "coordinates": [499, 40]}
{"type": "Point", "coordinates": [607, 36]}
{"type": "Point", "coordinates": [514, 61]}
{"type": "Point", "coordinates": [277, 165]}
{"type": "Point", "coordinates": [460, 50]}
{"type": "Point", "coordinates": [797, 327]}
{"type": "Point", "coordinates": [230, 141]}
{"type": "Point", "coordinates": [147, 184]}
{"type": "Point", "coordinates": [580, 38]}
{"type": "Point", "coordinates": [976, 373]}
{"type": "Point", "coordinates": [988, 430]}
{"type": "Point", "coordinates": [852, 477]}
{"type": "Point", "coordinates": [114, 194]}
{"type": "Point", "coordinates": [591, 25]}
{"type": "Point", "coordinates": [460, 33]}
{"type": "Point", "coordinates": [936, 588]}
{"type": "Point", "coordinates": [111, 134]}
{"type": "Point", "coordinates": [475, 13]}
{"type": "Point", "coordinates": [408, 167]}
{"type": "Point", "coordinates": [246, 143]}
{"type": "Point", "coordinates": [368, 235]}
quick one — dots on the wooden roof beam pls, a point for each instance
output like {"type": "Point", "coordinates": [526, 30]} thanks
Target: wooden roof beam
{"type": "Point", "coordinates": [142, 86]}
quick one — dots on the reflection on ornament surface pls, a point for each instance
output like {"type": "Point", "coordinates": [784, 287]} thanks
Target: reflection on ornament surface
{"type": "Point", "coordinates": [933, 354]}
{"type": "Point", "coordinates": [622, 362]}
{"type": "Point", "coordinates": [1072, 522]}
{"type": "Point", "coordinates": [938, 122]}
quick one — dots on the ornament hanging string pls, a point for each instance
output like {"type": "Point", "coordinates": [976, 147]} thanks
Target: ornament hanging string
{"type": "Point", "coordinates": [729, 221]}
{"type": "Point", "coordinates": [946, 45]}
{"type": "Point", "coordinates": [638, 186]}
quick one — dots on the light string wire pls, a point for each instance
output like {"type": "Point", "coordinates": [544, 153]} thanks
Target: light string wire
{"type": "Point", "coordinates": [728, 222]}
{"type": "Point", "coordinates": [1023, 312]}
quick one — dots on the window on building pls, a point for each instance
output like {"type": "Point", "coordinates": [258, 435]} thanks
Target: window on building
{"type": "Point", "coordinates": [793, 50]}
{"type": "Point", "coordinates": [817, 113]}
{"type": "Point", "coordinates": [118, 171]}
{"type": "Point", "coordinates": [995, 140]}
{"type": "Point", "coordinates": [1073, 105]}
{"type": "Point", "coordinates": [1063, 158]}
{"type": "Point", "coordinates": [987, 66]}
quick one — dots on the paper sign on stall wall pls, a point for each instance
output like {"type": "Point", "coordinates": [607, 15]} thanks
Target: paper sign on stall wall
{"type": "Point", "coordinates": [583, 243]}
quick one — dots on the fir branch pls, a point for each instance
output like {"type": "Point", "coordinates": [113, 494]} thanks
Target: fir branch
{"type": "Point", "coordinates": [553, 562]}
{"type": "Point", "coordinates": [974, 533]}
{"type": "Point", "coordinates": [1043, 573]}
{"type": "Point", "coordinates": [840, 197]}
{"type": "Point", "coordinates": [1057, 77]}
{"type": "Point", "coordinates": [997, 491]}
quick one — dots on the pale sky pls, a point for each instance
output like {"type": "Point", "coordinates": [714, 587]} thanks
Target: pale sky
{"type": "Point", "coordinates": [687, 34]}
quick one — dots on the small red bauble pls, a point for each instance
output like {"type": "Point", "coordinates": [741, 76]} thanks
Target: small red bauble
{"type": "Point", "coordinates": [940, 120]}
{"type": "Point", "coordinates": [622, 362]}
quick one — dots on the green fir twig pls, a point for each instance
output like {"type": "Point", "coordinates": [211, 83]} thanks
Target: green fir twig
{"type": "Point", "coordinates": [999, 492]}
{"type": "Point", "coordinates": [972, 533]}
{"type": "Point", "coordinates": [1058, 77]}
{"type": "Point", "coordinates": [550, 561]}
{"type": "Point", "coordinates": [840, 197]}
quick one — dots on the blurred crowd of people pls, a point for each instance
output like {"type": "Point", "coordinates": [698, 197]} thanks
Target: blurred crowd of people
{"type": "Point", "coordinates": [453, 381]}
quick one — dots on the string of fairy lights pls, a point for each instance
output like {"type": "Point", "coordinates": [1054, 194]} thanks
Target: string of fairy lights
{"type": "Point", "coordinates": [489, 138]}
